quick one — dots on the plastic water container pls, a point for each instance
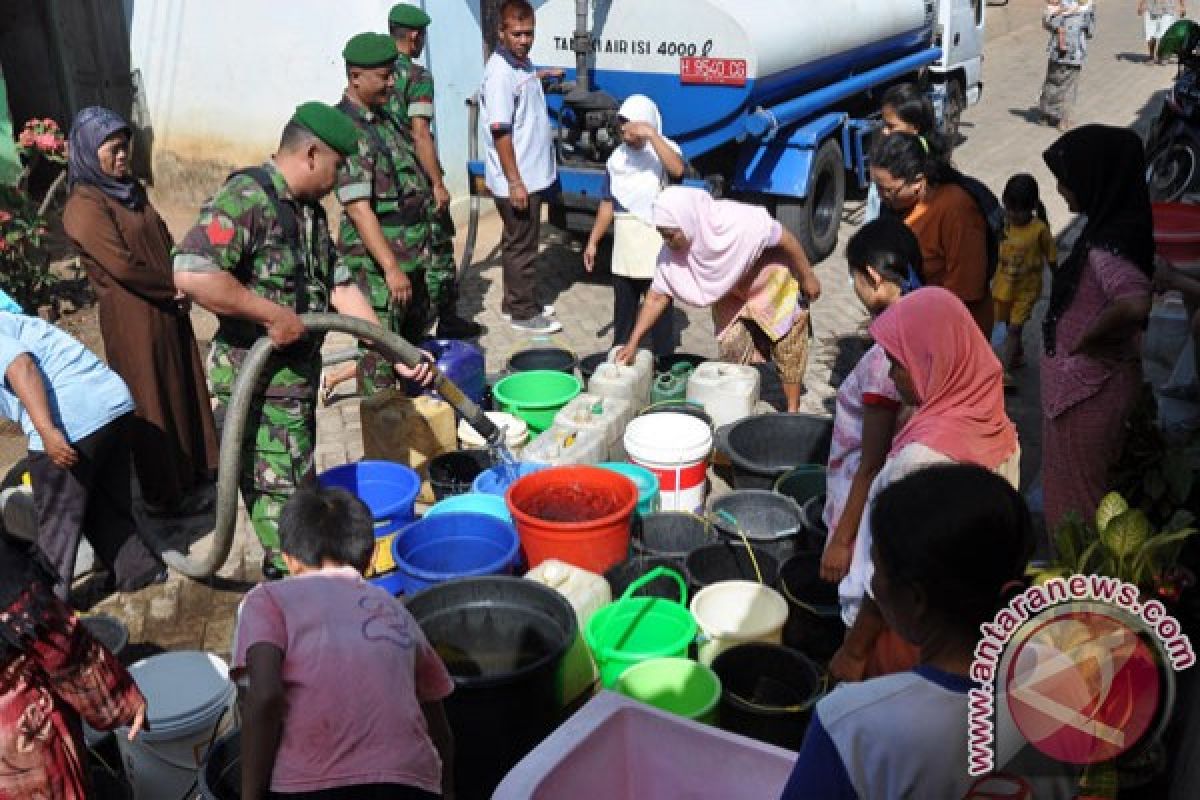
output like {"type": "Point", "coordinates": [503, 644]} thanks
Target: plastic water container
{"type": "Point", "coordinates": [728, 392]}
{"type": "Point", "coordinates": [189, 703]}
{"type": "Point", "coordinates": [675, 447]}
{"type": "Point", "coordinates": [733, 612]}
{"type": "Point", "coordinates": [516, 432]}
{"type": "Point", "coordinates": [565, 444]}
{"type": "Point", "coordinates": [643, 365]}
{"type": "Point", "coordinates": [613, 380]}
{"type": "Point", "coordinates": [461, 362]}
{"type": "Point", "coordinates": [609, 415]}
{"type": "Point", "coordinates": [586, 591]}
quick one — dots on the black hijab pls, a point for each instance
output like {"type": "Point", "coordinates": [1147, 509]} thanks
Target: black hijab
{"type": "Point", "coordinates": [23, 569]}
{"type": "Point", "coordinates": [1105, 168]}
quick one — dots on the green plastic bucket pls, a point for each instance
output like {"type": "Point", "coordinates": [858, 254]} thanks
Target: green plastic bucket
{"type": "Point", "coordinates": [635, 629]}
{"type": "Point", "coordinates": [645, 481]}
{"type": "Point", "coordinates": [536, 396]}
{"type": "Point", "coordinates": [802, 483]}
{"type": "Point", "coordinates": [678, 685]}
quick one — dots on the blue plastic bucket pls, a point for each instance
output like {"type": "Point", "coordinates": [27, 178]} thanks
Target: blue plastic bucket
{"type": "Point", "coordinates": [645, 481]}
{"type": "Point", "coordinates": [491, 504]}
{"type": "Point", "coordinates": [493, 481]}
{"type": "Point", "coordinates": [454, 545]}
{"type": "Point", "coordinates": [389, 490]}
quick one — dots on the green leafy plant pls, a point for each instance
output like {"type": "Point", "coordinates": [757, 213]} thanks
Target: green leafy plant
{"type": "Point", "coordinates": [24, 263]}
{"type": "Point", "coordinates": [1152, 473]}
{"type": "Point", "coordinates": [1122, 543]}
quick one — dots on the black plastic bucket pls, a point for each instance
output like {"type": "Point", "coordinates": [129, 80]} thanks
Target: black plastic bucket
{"type": "Point", "coordinates": [729, 561]}
{"type": "Point", "coordinates": [555, 358]}
{"type": "Point", "coordinates": [452, 473]}
{"type": "Point", "coordinates": [814, 624]}
{"type": "Point", "coordinates": [220, 775]}
{"type": "Point", "coordinates": [767, 692]}
{"type": "Point", "coordinates": [504, 641]}
{"type": "Point", "coordinates": [814, 522]}
{"type": "Point", "coordinates": [672, 534]}
{"type": "Point", "coordinates": [588, 364]}
{"type": "Point", "coordinates": [628, 571]}
{"type": "Point", "coordinates": [762, 448]}
{"type": "Point", "coordinates": [769, 520]}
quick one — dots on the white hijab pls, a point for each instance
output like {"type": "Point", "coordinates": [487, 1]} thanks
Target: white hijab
{"type": "Point", "coordinates": [636, 175]}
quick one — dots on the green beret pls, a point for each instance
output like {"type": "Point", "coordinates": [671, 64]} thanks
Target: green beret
{"type": "Point", "coordinates": [329, 125]}
{"type": "Point", "coordinates": [407, 16]}
{"type": "Point", "coordinates": [370, 50]}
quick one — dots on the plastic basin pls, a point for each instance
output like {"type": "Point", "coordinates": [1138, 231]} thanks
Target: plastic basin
{"type": "Point", "coordinates": [730, 561]}
{"type": "Point", "coordinates": [768, 692]}
{"type": "Point", "coordinates": [595, 543]}
{"type": "Point", "coordinates": [645, 481]}
{"type": "Point", "coordinates": [453, 545]}
{"type": "Point", "coordinates": [453, 473]}
{"type": "Point", "coordinates": [678, 685]}
{"type": "Point", "coordinates": [536, 396]}
{"type": "Point", "coordinates": [769, 520]}
{"type": "Point", "coordinates": [802, 483]}
{"type": "Point", "coordinates": [672, 534]}
{"type": "Point", "coordinates": [496, 480]}
{"type": "Point", "coordinates": [491, 504]}
{"type": "Point", "coordinates": [543, 358]}
{"type": "Point", "coordinates": [764, 447]}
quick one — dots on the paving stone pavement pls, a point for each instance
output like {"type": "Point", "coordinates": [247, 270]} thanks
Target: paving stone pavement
{"type": "Point", "coordinates": [1000, 140]}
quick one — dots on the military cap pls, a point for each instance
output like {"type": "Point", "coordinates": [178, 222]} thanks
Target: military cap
{"type": "Point", "coordinates": [329, 125]}
{"type": "Point", "coordinates": [408, 16]}
{"type": "Point", "coordinates": [370, 50]}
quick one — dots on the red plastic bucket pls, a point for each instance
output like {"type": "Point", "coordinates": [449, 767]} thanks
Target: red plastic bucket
{"type": "Point", "coordinates": [1177, 233]}
{"type": "Point", "coordinates": [543, 503]}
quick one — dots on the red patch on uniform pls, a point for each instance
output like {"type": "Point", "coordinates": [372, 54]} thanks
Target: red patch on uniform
{"type": "Point", "coordinates": [219, 234]}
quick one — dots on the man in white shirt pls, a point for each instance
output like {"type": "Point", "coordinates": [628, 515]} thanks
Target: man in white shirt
{"type": "Point", "coordinates": [519, 161]}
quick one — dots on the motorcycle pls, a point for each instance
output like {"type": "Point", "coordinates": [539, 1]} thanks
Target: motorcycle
{"type": "Point", "coordinates": [1173, 145]}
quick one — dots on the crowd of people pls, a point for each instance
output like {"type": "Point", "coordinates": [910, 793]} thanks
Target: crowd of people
{"type": "Point", "coordinates": [928, 535]}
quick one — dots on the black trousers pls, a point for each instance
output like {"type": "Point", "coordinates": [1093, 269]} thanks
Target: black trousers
{"type": "Point", "coordinates": [627, 299]}
{"type": "Point", "coordinates": [518, 255]}
{"type": "Point", "coordinates": [91, 499]}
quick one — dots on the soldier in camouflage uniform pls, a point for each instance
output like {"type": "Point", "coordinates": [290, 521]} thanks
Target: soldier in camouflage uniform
{"type": "Point", "coordinates": [260, 255]}
{"type": "Point", "coordinates": [411, 105]}
{"type": "Point", "coordinates": [384, 232]}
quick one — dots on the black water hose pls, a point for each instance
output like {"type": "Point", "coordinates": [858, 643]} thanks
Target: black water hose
{"type": "Point", "coordinates": [245, 392]}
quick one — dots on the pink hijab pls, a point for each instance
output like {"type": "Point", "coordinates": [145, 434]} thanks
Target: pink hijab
{"type": "Point", "coordinates": [726, 238]}
{"type": "Point", "coordinates": [957, 378]}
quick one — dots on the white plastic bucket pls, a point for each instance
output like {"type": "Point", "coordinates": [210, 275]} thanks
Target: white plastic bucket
{"type": "Point", "coordinates": [189, 703]}
{"type": "Point", "coordinates": [675, 447]}
{"type": "Point", "coordinates": [730, 613]}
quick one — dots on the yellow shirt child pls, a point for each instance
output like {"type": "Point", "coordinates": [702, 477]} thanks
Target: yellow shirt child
{"type": "Point", "coordinates": [1017, 284]}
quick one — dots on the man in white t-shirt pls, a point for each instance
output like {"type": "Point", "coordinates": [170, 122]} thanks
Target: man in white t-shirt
{"type": "Point", "coordinates": [519, 161]}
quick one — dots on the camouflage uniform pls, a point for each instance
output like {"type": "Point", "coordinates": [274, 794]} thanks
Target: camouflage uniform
{"type": "Point", "coordinates": [413, 97]}
{"type": "Point", "coordinates": [385, 172]}
{"type": "Point", "coordinates": [239, 232]}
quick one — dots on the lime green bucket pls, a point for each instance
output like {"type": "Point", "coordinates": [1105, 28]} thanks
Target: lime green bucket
{"type": "Point", "coordinates": [678, 685]}
{"type": "Point", "coordinates": [536, 396]}
{"type": "Point", "coordinates": [634, 629]}
{"type": "Point", "coordinates": [645, 481]}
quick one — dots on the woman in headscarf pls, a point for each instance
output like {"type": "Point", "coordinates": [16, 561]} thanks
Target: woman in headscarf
{"type": "Point", "coordinates": [637, 172]}
{"type": "Point", "coordinates": [126, 249]}
{"type": "Point", "coordinates": [1099, 302]}
{"type": "Point", "coordinates": [53, 674]}
{"type": "Point", "coordinates": [944, 367]}
{"type": "Point", "coordinates": [751, 270]}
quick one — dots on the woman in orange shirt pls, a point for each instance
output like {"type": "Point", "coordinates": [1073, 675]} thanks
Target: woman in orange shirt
{"type": "Point", "coordinates": [919, 185]}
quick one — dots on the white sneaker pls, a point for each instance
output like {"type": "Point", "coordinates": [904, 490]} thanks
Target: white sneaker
{"type": "Point", "coordinates": [537, 324]}
{"type": "Point", "coordinates": [547, 311]}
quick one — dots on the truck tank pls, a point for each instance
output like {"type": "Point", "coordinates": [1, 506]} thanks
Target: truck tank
{"type": "Point", "coordinates": [706, 63]}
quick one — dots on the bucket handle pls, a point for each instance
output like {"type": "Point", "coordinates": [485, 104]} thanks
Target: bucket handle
{"type": "Point", "coordinates": [653, 574]}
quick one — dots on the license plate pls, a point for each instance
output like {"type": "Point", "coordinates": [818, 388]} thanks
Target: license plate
{"type": "Point", "coordinates": [712, 71]}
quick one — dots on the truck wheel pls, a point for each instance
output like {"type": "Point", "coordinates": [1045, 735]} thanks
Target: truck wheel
{"type": "Point", "coordinates": [952, 111]}
{"type": "Point", "coordinates": [815, 221]}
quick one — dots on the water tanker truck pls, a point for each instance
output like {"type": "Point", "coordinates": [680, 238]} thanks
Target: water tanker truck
{"type": "Point", "coordinates": [772, 101]}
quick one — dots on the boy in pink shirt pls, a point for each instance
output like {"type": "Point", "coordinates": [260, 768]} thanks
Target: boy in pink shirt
{"type": "Point", "coordinates": [342, 690]}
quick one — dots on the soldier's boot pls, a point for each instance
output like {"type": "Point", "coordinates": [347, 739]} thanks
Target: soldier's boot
{"type": "Point", "coordinates": [450, 325]}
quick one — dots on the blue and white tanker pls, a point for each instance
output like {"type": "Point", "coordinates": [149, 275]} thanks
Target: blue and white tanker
{"type": "Point", "coordinates": [769, 99]}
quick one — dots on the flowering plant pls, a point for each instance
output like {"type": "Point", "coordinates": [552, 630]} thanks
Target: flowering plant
{"type": "Point", "coordinates": [42, 138]}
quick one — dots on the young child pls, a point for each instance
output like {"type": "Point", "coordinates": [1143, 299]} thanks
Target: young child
{"type": "Point", "coordinates": [885, 260]}
{"type": "Point", "coordinates": [951, 544]}
{"type": "Point", "coordinates": [1027, 246]}
{"type": "Point", "coordinates": [636, 172]}
{"type": "Point", "coordinates": [342, 690]}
